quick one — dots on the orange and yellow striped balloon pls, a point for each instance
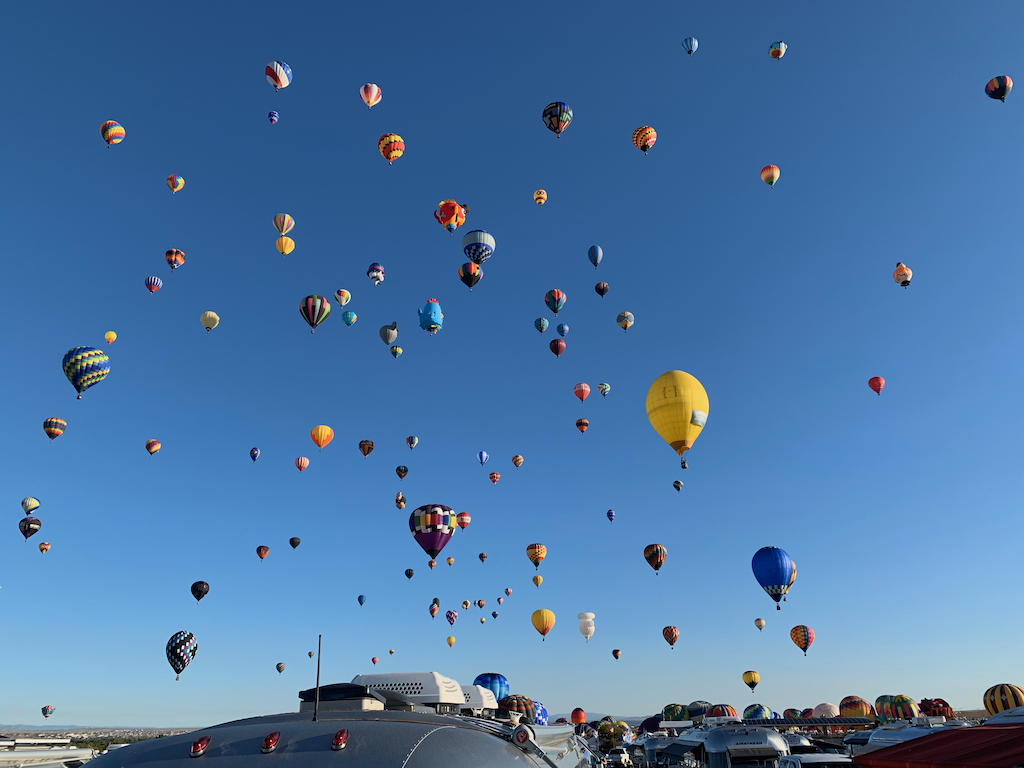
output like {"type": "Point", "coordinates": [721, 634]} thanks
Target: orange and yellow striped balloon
{"type": "Point", "coordinates": [321, 435]}
{"type": "Point", "coordinates": [391, 147]}
{"type": "Point", "coordinates": [644, 138]}
{"type": "Point", "coordinates": [770, 174]}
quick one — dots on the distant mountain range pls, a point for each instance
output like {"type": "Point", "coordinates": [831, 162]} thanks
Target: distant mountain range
{"type": "Point", "coordinates": [57, 727]}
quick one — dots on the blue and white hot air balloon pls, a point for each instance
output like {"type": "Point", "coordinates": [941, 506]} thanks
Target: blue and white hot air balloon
{"type": "Point", "coordinates": [279, 75]}
{"type": "Point", "coordinates": [482, 457]}
{"type": "Point", "coordinates": [690, 45]}
{"type": "Point", "coordinates": [478, 246]}
{"type": "Point", "coordinates": [541, 717]}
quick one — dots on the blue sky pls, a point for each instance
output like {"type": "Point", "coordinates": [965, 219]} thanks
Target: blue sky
{"type": "Point", "coordinates": [899, 510]}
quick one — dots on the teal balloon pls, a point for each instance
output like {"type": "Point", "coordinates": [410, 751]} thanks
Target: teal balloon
{"type": "Point", "coordinates": [541, 324]}
{"type": "Point", "coordinates": [348, 317]}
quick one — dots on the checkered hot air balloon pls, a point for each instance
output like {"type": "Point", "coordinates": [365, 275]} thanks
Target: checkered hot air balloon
{"type": "Point", "coordinates": [775, 572]}
{"type": "Point", "coordinates": [432, 526]}
{"type": "Point", "coordinates": [452, 617]}
{"type": "Point", "coordinates": [541, 718]}
{"type": "Point", "coordinates": [478, 246]}
{"type": "Point", "coordinates": [536, 553]}
{"type": "Point", "coordinates": [54, 427]}
{"type": "Point", "coordinates": [802, 636]}
{"type": "Point", "coordinates": [278, 75]}
{"type": "Point", "coordinates": [181, 649]}
{"type": "Point", "coordinates": [85, 367]}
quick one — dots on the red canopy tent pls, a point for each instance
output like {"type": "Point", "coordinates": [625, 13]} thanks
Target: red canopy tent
{"type": "Point", "coordinates": [987, 746]}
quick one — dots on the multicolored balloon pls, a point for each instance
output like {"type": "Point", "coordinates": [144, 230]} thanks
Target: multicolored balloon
{"type": "Point", "coordinates": [770, 174]}
{"type": "Point", "coordinates": [29, 526]}
{"type": "Point", "coordinates": [536, 554]}
{"type": "Point", "coordinates": [391, 147]}
{"type": "Point", "coordinates": [280, 667]}
{"type": "Point", "coordinates": [556, 116]}
{"type": "Point", "coordinates": [470, 274]}
{"type": "Point", "coordinates": [1002, 697]}
{"type": "Point", "coordinates": [371, 95]}
{"type": "Point", "coordinates": [582, 391]}
{"type": "Point", "coordinates": [855, 706]}
{"type": "Point", "coordinates": [321, 435]}
{"type": "Point", "coordinates": [153, 446]}
{"type": "Point", "coordinates": [555, 300]}
{"type": "Point", "coordinates": [49, 709]}
{"type": "Point", "coordinates": [278, 75]}
{"type": "Point", "coordinates": [112, 132]}
{"type": "Point", "coordinates": [482, 457]}
{"type": "Point", "coordinates": [540, 197]}
{"type": "Point", "coordinates": [54, 427]}
{"type": "Point", "coordinates": [431, 316]}
{"type": "Point", "coordinates": [655, 555]}
{"type": "Point", "coordinates": [751, 678]}
{"type": "Point", "coordinates": [376, 273]}
{"type": "Point", "coordinates": [262, 551]}
{"type": "Point", "coordinates": [273, 117]}
{"type": "Point", "coordinates": [644, 138]}
{"type": "Point", "coordinates": [450, 215]}
{"type": "Point", "coordinates": [412, 441]}
{"type": "Point", "coordinates": [175, 183]}
{"type": "Point", "coordinates": [314, 310]}
{"type": "Point", "coordinates": [401, 471]}
{"type": "Point", "coordinates": [348, 318]}
{"type": "Point", "coordinates": [903, 274]}
{"type": "Point", "coordinates": [254, 454]}
{"type": "Point", "coordinates": [85, 367]}
{"type": "Point", "coordinates": [541, 324]}
{"type": "Point", "coordinates": [625, 320]}
{"type": "Point", "coordinates": [999, 87]}
{"type": "Point", "coordinates": [283, 223]}
{"type": "Point", "coordinates": [432, 526]}
{"type": "Point", "coordinates": [517, 460]}
{"type": "Point", "coordinates": [678, 485]}
{"type": "Point", "coordinates": [777, 50]}
{"type": "Point", "coordinates": [342, 296]}
{"type": "Point", "coordinates": [757, 712]}
{"type": "Point", "coordinates": [802, 636]}
{"type": "Point", "coordinates": [44, 547]}
{"type": "Point", "coordinates": [759, 623]}
{"type": "Point", "coordinates": [29, 504]}
{"type": "Point", "coordinates": [301, 463]}
{"type": "Point", "coordinates": [153, 283]}
{"type": "Point", "coordinates": [582, 425]}
{"type": "Point", "coordinates": [463, 519]}
{"type": "Point", "coordinates": [775, 572]}
{"type": "Point", "coordinates": [563, 328]}
{"type": "Point", "coordinates": [452, 617]}
{"type": "Point", "coordinates": [671, 634]}
{"type": "Point", "coordinates": [180, 650]}
{"type": "Point", "coordinates": [494, 477]}
{"type": "Point", "coordinates": [174, 258]}
{"type": "Point", "coordinates": [366, 447]}
{"type": "Point", "coordinates": [604, 389]}
{"type": "Point", "coordinates": [610, 514]}
{"type": "Point", "coordinates": [595, 254]}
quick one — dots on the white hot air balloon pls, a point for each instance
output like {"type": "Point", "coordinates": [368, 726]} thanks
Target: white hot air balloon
{"type": "Point", "coordinates": [586, 625]}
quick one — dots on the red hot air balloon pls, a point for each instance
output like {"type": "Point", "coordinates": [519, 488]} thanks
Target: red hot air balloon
{"type": "Point", "coordinates": [877, 383]}
{"type": "Point", "coordinates": [463, 519]}
{"type": "Point", "coordinates": [375, 660]}
{"type": "Point", "coordinates": [578, 716]}
{"type": "Point", "coordinates": [301, 463]}
{"type": "Point", "coordinates": [582, 391]}
{"type": "Point", "coordinates": [262, 551]}
{"type": "Point", "coordinates": [557, 347]}
{"type": "Point", "coordinates": [671, 634]}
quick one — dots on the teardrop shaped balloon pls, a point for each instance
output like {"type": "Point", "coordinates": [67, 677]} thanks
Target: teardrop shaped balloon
{"type": "Point", "coordinates": [543, 621]}
{"type": "Point", "coordinates": [677, 407]}
{"type": "Point", "coordinates": [301, 463]}
{"type": "Point", "coordinates": [174, 258]}
{"type": "Point", "coordinates": [582, 391]}
{"type": "Point", "coordinates": [180, 650]}
{"type": "Point", "coordinates": [375, 660]}
{"type": "Point", "coordinates": [555, 300]}
{"type": "Point", "coordinates": [557, 347]}
{"type": "Point", "coordinates": [85, 367]}
{"type": "Point", "coordinates": [371, 95]}
{"type": "Point", "coordinates": [314, 310]}
{"type": "Point", "coordinates": [153, 446]}
{"type": "Point", "coordinates": [452, 617]}
{"type": "Point", "coordinates": [537, 580]}
{"type": "Point", "coordinates": [517, 460]}
{"type": "Point", "coordinates": [348, 318]}
{"type": "Point", "coordinates": [759, 623]}
{"type": "Point", "coordinates": [877, 383]}
{"type": "Point", "coordinates": [391, 147]}
{"type": "Point", "coordinates": [153, 284]}
{"type": "Point", "coordinates": [557, 116]}
{"type": "Point", "coordinates": [540, 197]}
{"type": "Point", "coordinates": [432, 526]}
{"type": "Point", "coordinates": [29, 526]}
{"type": "Point", "coordinates": [483, 557]}
{"type": "Point", "coordinates": [774, 570]}
{"type": "Point", "coordinates": [280, 667]}
{"type": "Point", "coordinates": [450, 561]}
{"type": "Point", "coordinates": [199, 590]}
{"type": "Point", "coordinates": [283, 223]}
{"type": "Point", "coordinates": [54, 427]}
{"type": "Point", "coordinates": [365, 447]}
{"type": "Point", "coordinates": [463, 519]}
{"type": "Point", "coordinates": [175, 183]}
{"type": "Point", "coordinates": [44, 547]}
{"type": "Point", "coordinates": [112, 132]}
{"type": "Point", "coordinates": [777, 50]}
{"type": "Point", "coordinates": [401, 470]}
{"type": "Point", "coordinates": [563, 329]}
{"type": "Point", "coordinates": [582, 425]}
{"type": "Point", "coordinates": [751, 678]}
{"type": "Point", "coordinates": [678, 485]}
{"type": "Point", "coordinates": [610, 514]}
{"type": "Point", "coordinates": [616, 654]}
{"type": "Point", "coordinates": [999, 87]}
{"type": "Point", "coordinates": [644, 138]}
{"type": "Point", "coordinates": [412, 441]}
{"type": "Point", "coordinates": [209, 320]}
{"type": "Point", "coordinates": [409, 573]}
{"type": "Point", "coordinates": [494, 477]}
{"type": "Point", "coordinates": [450, 640]}
{"type": "Point", "coordinates": [595, 254]}
{"type": "Point", "coordinates": [470, 274]}
{"type": "Point", "coordinates": [671, 634]}
{"type": "Point", "coordinates": [604, 389]}
{"type": "Point", "coordinates": [294, 542]}
{"type": "Point", "coordinates": [284, 245]}
{"type": "Point", "coordinates": [278, 75]}
{"type": "Point", "coordinates": [536, 553]}
{"type": "Point", "coordinates": [655, 555]}
{"type": "Point", "coordinates": [433, 610]}
{"type": "Point", "coordinates": [802, 636]}
{"type": "Point", "coordinates": [396, 351]}
{"type": "Point", "coordinates": [361, 599]}
{"type": "Point", "coordinates": [110, 337]}
{"type": "Point", "coordinates": [770, 174]}
{"type": "Point", "coordinates": [321, 435]}
{"type": "Point", "coordinates": [388, 333]}
{"type": "Point", "coordinates": [690, 45]}
{"type": "Point", "coordinates": [601, 289]}
{"type": "Point", "coordinates": [342, 296]}
{"type": "Point", "coordinates": [541, 324]}
{"type": "Point", "coordinates": [29, 504]}
{"type": "Point", "coordinates": [262, 551]}
{"type": "Point", "coordinates": [273, 117]}
{"type": "Point", "coordinates": [625, 320]}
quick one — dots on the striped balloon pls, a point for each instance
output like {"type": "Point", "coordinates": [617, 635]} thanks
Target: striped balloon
{"type": "Point", "coordinates": [284, 245]}
{"type": "Point", "coordinates": [655, 555]}
{"type": "Point", "coordinates": [175, 183]}
{"type": "Point", "coordinates": [153, 446]}
{"type": "Point", "coordinates": [54, 427]}
{"type": "Point", "coordinates": [283, 223]}
{"type": "Point", "coordinates": [370, 94]}
{"type": "Point", "coordinates": [855, 706]}
{"type": "Point", "coordinates": [555, 300]}
{"type": "Point", "coordinates": [999, 87]}
{"type": "Point", "coordinates": [556, 116]}
{"type": "Point", "coordinates": [278, 74]}
{"type": "Point", "coordinates": [1001, 697]}
{"type": "Point", "coordinates": [770, 174]}
{"type": "Point", "coordinates": [536, 553]}
{"type": "Point", "coordinates": [803, 636]}
{"type": "Point", "coordinates": [174, 258]}
{"type": "Point", "coordinates": [85, 367]}
{"type": "Point", "coordinates": [791, 714]}
{"type": "Point", "coordinates": [314, 310]}
{"type": "Point", "coordinates": [721, 710]}
{"type": "Point", "coordinates": [112, 132]}
{"type": "Point", "coordinates": [673, 712]}
{"type": "Point", "coordinates": [273, 117]}
{"type": "Point", "coordinates": [904, 708]}
{"type": "Point", "coordinates": [644, 138]}
{"type": "Point", "coordinates": [883, 708]}
{"type": "Point", "coordinates": [690, 45]}
{"type": "Point", "coordinates": [470, 274]}
{"type": "Point", "coordinates": [757, 712]}
{"type": "Point", "coordinates": [154, 283]}
{"type": "Point", "coordinates": [391, 147]}
{"type": "Point", "coordinates": [342, 296]}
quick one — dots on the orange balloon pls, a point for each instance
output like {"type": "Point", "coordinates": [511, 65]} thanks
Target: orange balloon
{"type": "Point", "coordinates": [321, 435]}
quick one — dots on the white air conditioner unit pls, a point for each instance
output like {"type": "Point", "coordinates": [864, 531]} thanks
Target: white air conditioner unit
{"type": "Point", "coordinates": [477, 699]}
{"type": "Point", "coordinates": [428, 688]}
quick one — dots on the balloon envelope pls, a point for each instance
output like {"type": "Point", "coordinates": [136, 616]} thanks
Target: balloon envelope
{"type": "Point", "coordinates": [677, 407]}
{"type": "Point", "coordinates": [543, 621]}
{"type": "Point", "coordinates": [432, 526]}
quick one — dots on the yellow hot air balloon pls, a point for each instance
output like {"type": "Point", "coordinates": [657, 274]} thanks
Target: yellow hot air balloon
{"type": "Point", "coordinates": [285, 245]}
{"type": "Point", "coordinates": [450, 641]}
{"type": "Point", "coordinates": [751, 678]}
{"type": "Point", "coordinates": [538, 580]}
{"type": "Point", "coordinates": [321, 435]}
{"type": "Point", "coordinates": [677, 407]}
{"type": "Point", "coordinates": [210, 320]}
{"type": "Point", "coordinates": [110, 336]}
{"type": "Point", "coordinates": [543, 620]}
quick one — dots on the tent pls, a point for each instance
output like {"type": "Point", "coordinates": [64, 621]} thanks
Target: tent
{"type": "Point", "coordinates": [987, 746]}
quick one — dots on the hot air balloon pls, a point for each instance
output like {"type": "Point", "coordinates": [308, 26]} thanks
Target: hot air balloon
{"type": "Point", "coordinates": [996, 88]}
{"type": "Point", "coordinates": [523, 706]}
{"type": "Point", "coordinates": [110, 337]}
{"type": "Point", "coordinates": [604, 389]}
{"type": "Point", "coordinates": [903, 274]}
{"type": "Point", "coordinates": [153, 284]}
{"type": "Point", "coordinates": [578, 716]}
{"type": "Point", "coordinates": [677, 407]}
{"type": "Point", "coordinates": [311, 654]}
{"type": "Point", "coordinates": [777, 50]}
{"type": "Point", "coordinates": [478, 246]}
{"type": "Point", "coordinates": [690, 45]}
{"type": "Point", "coordinates": [401, 470]}
{"type": "Point", "coordinates": [543, 620]}
{"type": "Point", "coordinates": [321, 435]}
{"type": "Point", "coordinates": [85, 367]}
{"type": "Point", "coordinates": [802, 636]}
{"type": "Point", "coordinates": [773, 568]}
{"type": "Point", "coordinates": [537, 580]}
{"type": "Point", "coordinates": [29, 526]}
{"type": "Point", "coordinates": [751, 678]}
{"type": "Point", "coordinates": [391, 147]}
{"type": "Point", "coordinates": [181, 649]}
{"type": "Point", "coordinates": [1002, 697]}
{"type": "Point", "coordinates": [625, 320]}
{"type": "Point", "coordinates": [273, 117]}
{"type": "Point", "coordinates": [903, 708]}
{"type": "Point", "coordinates": [284, 245]}
{"type": "Point", "coordinates": [541, 324]}
{"type": "Point", "coordinates": [366, 447]}
{"type": "Point", "coordinates": [757, 712]}
{"type": "Point", "coordinates": [517, 460]}
{"type": "Point", "coordinates": [278, 75]}
{"type": "Point", "coordinates": [616, 654]}
{"type": "Point", "coordinates": [112, 132]}
{"type": "Point", "coordinates": [409, 573]}
{"type": "Point", "coordinates": [759, 623]}
{"type": "Point", "coordinates": [262, 551]}
{"type": "Point", "coordinates": [450, 561]}
{"type": "Point", "coordinates": [595, 254]}
{"type": "Point", "coordinates": [655, 555]}
{"type": "Point", "coordinates": [536, 553]}
{"type": "Point", "coordinates": [361, 599]}
{"type": "Point", "coordinates": [54, 427]}
{"type": "Point", "coordinates": [465, 604]}
{"type": "Point", "coordinates": [342, 296]}
{"type": "Point", "coordinates": [463, 519]}
{"type": "Point", "coordinates": [557, 347]}
{"type": "Point", "coordinates": [501, 600]}
{"type": "Point", "coordinates": [375, 660]}
{"type": "Point", "coordinates": [431, 317]}
{"type": "Point", "coordinates": [563, 328]}
{"type": "Point", "coordinates": [44, 547]}
{"type": "Point", "coordinates": [348, 318]}
{"type": "Point", "coordinates": [209, 320]}
{"type": "Point", "coordinates": [556, 116]}
{"type": "Point", "coordinates": [644, 138]}
{"type": "Point", "coordinates": [792, 714]}
{"type": "Point", "coordinates": [153, 446]}
{"type": "Point", "coordinates": [371, 95]}
{"type": "Point", "coordinates": [283, 223]}
{"type": "Point", "coordinates": [601, 289]}
{"type": "Point", "coordinates": [470, 274]}
{"type": "Point", "coordinates": [721, 710]}
{"type": "Point", "coordinates": [48, 710]}
{"type": "Point", "coordinates": [450, 215]}
{"type": "Point", "coordinates": [450, 640]}
{"type": "Point", "coordinates": [433, 610]}
{"type": "Point", "coordinates": [432, 564]}
{"type": "Point", "coordinates": [174, 258]}
{"type": "Point", "coordinates": [494, 682]}
{"type": "Point", "coordinates": [494, 477]}
{"type": "Point", "coordinates": [301, 463]}
{"type": "Point", "coordinates": [855, 706]}
{"type": "Point", "coordinates": [376, 273]}
{"type": "Point", "coordinates": [400, 500]}
{"type": "Point", "coordinates": [586, 625]}
{"type": "Point", "coordinates": [877, 383]}
{"type": "Point", "coordinates": [412, 441]}
{"type": "Point", "coordinates": [294, 542]}
{"type": "Point", "coordinates": [314, 310]}
{"type": "Point", "coordinates": [770, 174]}
{"type": "Point", "coordinates": [254, 454]}
{"type": "Point", "coordinates": [199, 590]}
{"type": "Point", "coordinates": [452, 617]}
{"type": "Point", "coordinates": [581, 425]}
{"type": "Point", "coordinates": [678, 485]}
{"type": "Point", "coordinates": [540, 197]}
{"type": "Point", "coordinates": [483, 557]}
{"type": "Point", "coordinates": [555, 300]}
{"type": "Point", "coordinates": [432, 526]}
{"type": "Point", "coordinates": [280, 667]}
{"type": "Point", "coordinates": [508, 592]}
{"type": "Point", "coordinates": [482, 457]}
{"type": "Point", "coordinates": [175, 183]}
{"type": "Point", "coordinates": [671, 634]}
{"type": "Point", "coordinates": [29, 505]}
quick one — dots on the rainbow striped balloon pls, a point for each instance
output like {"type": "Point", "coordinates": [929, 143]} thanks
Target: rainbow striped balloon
{"type": "Point", "coordinates": [112, 132]}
